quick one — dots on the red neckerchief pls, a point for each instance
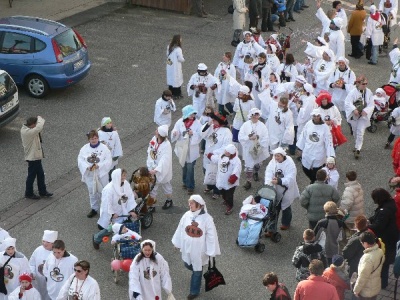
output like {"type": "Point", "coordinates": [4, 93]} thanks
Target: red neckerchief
{"type": "Point", "coordinates": [188, 123]}
{"type": "Point", "coordinates": [376, 16]}
{"type": "Point", "coordinates": [26, 289]}
{"type": "Point", "coordinates": [256, 37]}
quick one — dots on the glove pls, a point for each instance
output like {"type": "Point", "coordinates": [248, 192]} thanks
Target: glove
{"type": "Point", "coordinates": [232, 179]}
{"type": "Point", "coordinates": [209, 156]}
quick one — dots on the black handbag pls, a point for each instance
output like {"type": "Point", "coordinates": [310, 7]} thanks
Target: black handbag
{"type": "Point", "coordinates": [213, 277]}
{"type": "Point", "coordinates": [3, 288]}
{"type": "Point", "coordinates": [231, 9]}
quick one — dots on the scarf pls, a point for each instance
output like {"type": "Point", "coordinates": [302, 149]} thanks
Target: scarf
{"type": "Point", "coordinates": [105, 129]}
{"type": "Point", "coordinates": [375, 16]}
{"type": "Point", "coordinates": [94, 146]}
{"type": "Point", "coordinates": [188, 123]}
{"type": "Point", "coordinates": [328, 106]}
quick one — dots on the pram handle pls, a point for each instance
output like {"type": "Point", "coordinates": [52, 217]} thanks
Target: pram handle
{"type": "Point", "coordinates": [255, 219]}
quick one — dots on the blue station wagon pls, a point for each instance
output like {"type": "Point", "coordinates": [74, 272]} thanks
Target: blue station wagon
{"type": "Point", "coordinates": [42, 54]}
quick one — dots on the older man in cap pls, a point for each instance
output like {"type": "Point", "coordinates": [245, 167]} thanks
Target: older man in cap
{"type": "Point", "coordinates": [38, 259]}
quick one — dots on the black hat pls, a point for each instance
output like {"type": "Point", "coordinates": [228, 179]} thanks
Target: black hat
{"type": "Point", "coordinates": [220, 118]}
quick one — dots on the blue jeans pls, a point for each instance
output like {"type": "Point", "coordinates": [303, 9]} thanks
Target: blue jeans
{"type": "Point", "coordinates": [374, 54]}
{"type": "Point", "coordinates": [188, 175]}
{"type": "Point", "coordinates": [98, 237]}
{"type": "Point", "coordinates": [35, 170]}
{"type": "Point", "coordinates": [298, 4]}
{"type": "Point", "coordinates": [286, 216]}
{"type": "Point", "coordinates": [195, 280]}
{"type": "Point", "coordinates": [274, 18]}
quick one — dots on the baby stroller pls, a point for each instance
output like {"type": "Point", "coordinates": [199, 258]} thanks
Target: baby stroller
{"type": "Point", "coordinates": [143, 185]}
{"type": "Point", "coordinates": [250, 232]}
{"type": "Point", "coordinates": [125, 250]}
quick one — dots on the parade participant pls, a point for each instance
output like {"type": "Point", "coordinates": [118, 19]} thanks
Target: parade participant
{"type": "Point", "coordinates": [302, 69]}
{"type": "Point", "coordinates": [336, 36]}
{"type": "Point", "coordinates": [196, 238]}
{"type": "Point", "coordinates": [280, 124]}
{"type": "Point", "coordinates": [272, 60]}
{"type": "Point", "coordinates": [359, 106]}
{"type": "Point", "coordinates": [80, 285]}
{"type": "Point", "coordinates": [31, 136]}
{"type": "Point", "coordinates": [341, 82]}
{"type": "Point", "coordinates": [164, 108]}
{"type": "Point", "coordinates": [242, 107]}
{"type": "Point", "coordinates": [217, 136]}
{"type": "Point", "coordinates": [287, 70]}
{"type": "Point", "coordinates": [315, 51]}
{"type": "Point", "coordinates": [389, 7]}
{"type": "Point", "coordinates": [200, 87]}
{"type": "Point", "coordinates": [259, 76]}
{"type": "Point", "coordinates": [228, 175]}
{"type": "Point", "coordinates": [246, 50]}
{"type": "Point", "coordinates": [14, 263]}
{"type": "Point", "coordinates": [305, 105]}
{"type": "Point", "coordinates": [257, 36]}
{"type": "Point", "coordinates": [374, 32]}
{"type": "Point", "coordinates": [57, 269]}
{"type": "Point", "coordinates": [25, 291]}
{"type": "Point", "coordinates": [341, 13]}
{"type": "Point", "coordinates": [149, 274]}
{"type": "Point", "coordinates": [352, 199]}
{"type": "Point", "coordinates": [315, 145]}
{"type": "Point", "coordinates": [253, 137]}
{"type": "Point", "coordinates": [37, 260]}
{"type": "Point", "coordinates": [355, 29]}
{"type": "Point", "coordinates": [159, 163]}
{"type": "Point", "coordinates": [174, 66]}
{"type": "Point", "coordinates": [394, 127]}
{"type": "Point", "coordinates": [3, 235]}
{"type": "Point", "coordinates": [325, 18]}
{"type": "Point", "coordinates": [394, 56]}
{"type": "Point", "coordinates": [109, 136]}
{"type": "Point", "coordinates": [223, 72]}
{"type": "Point", "coordinates": [187, 135]}
{"type": "Point", "coordinates": [239, 20]}
{"type": "Point", "coordinates": [331, 172]}
{"type": "Point", "coordinates": [322, 70]}
{"type": "Point", "coordinates": [117, 200]}
{"type": "Point", "coordinates": [279, 290]}
{"type": "Point", "coordinates": [94, 162]}
{"type": "Point", "coordinates": [281, 172]}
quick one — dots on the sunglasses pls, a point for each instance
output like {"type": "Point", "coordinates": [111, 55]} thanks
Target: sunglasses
{"type": "Point", "coordinates": [79, 271]}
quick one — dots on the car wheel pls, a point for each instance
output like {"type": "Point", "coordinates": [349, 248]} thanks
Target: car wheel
{"type": "Point", "coordinates": [36, 86]}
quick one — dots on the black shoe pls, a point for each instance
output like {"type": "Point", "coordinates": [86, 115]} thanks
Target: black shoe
{"type": "Point", "coordinates": [357, 154]}
{"type": "Point", "coordinates": [292, 19]}
{"type": "Point", "coordinates": [305, 6]}
{"type": "Point", "coordinates": [297, 11]}
{"type": "Point", "coordinates": [33, 197]}
{"type": "Point", "coordinates": [190, 296]}
{"type": "Point", "coordinates": [91, 214]}
{"type": "Point", "coordinates": [168, 204]}
{"type": "Point", "coordinates": [95, 245]}
{"type": "Point", "coordinates": [351, 55]}
{"type": "Point", "coordinates": [371, 63]}
{"type": "Point", "coordinates": [287, 20]}
{"type": "Point", "coordinates": [301, 8]}
{"type": "Point", "coordinates": [387, 145]}
{"type": "Point", "coordinates": [255, 176]}
{"type": "Point", "coordinates": [47, 194]}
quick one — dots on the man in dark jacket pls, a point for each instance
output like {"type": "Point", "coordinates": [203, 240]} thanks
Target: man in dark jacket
{"type": "Point", "coordinates": [279, 290]}
{"type": "Point", "coordinates": [255, 8]}
{"type": "Point", "coordinates": [267, 24]}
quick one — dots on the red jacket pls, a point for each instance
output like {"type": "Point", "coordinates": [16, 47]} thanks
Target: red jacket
{"type": "Point", "coordinates": [396, 157]}
{"type": "Point", "coordinates": [334, 279]}
{"type": "Point", "coordinates": [315, 287]}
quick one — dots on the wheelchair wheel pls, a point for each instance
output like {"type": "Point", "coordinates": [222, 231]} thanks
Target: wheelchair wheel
{"type": "Point", "coordinates": [259, 248]}
{"type": "Point", "coordinates": [276, 237]}
{"type": "Point", "coordinates": [373, 128]}
{"type": "Point", "coordinates": [146, 220]}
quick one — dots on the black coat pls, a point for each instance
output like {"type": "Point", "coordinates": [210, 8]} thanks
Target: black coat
{"type": "Point", "coordinates": [267, 3]}
{"type": "Point", "coordinates": [383, 223]}
{"type": "Point", "coordinates": [353, 252]}
{"type": "Point", "coordinates": [255, 8]}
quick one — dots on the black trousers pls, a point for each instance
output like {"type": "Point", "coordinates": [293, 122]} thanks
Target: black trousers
{"type": "Point", "coordinates": [311, 173]}
{"type": "Point", "coordinates": [266, 24]}
{"type": "Point", "coordinates": [35, 170]}
{"type": "Point", "coordinates": [227, 195]}
{"type": "Point", "coordinates": [253, 22]}
{"type": "Point", "coordinates": [176, 91]}
{"type": "Point", "coordinates": [355, 45]}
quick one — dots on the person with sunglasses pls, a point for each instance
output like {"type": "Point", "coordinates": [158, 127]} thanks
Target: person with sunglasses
{"type": "Point", "coordinates": [359, 106]}
{"type": "Point", "coordinates": [117, 200]}
{"type": "Point", "coordinates": [80, 285]}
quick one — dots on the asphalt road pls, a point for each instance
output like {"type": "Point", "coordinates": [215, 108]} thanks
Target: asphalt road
{"type": "Point", "coordinates": [127, 48]}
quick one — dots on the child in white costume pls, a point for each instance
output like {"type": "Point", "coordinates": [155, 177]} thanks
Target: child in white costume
{"type": "Point", "coordinates": [25, 291]}
{"type": "Point", "coordinates": [332, 173]}
{"type": "Point", "coordinates": [109, 136]}
{"type": "Point", "coordinates": [164, 108]}
{"type": "Point", "coordinates": [148, 274]}
{"type": "Point", "coordinates": [37, 260]}
{"type": "Point", "coordinates": [94, 162]}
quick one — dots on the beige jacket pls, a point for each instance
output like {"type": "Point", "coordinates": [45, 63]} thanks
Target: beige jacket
{"type": "Point", "coordinates": [353, 201]}
{"type": "Point", "coordinates": [31, 141]}
{"type": "Point", "coordinates": [368, 283]}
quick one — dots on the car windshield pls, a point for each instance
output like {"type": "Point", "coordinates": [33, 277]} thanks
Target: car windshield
{"type": "Point", "coordinates": [7, 85]}
{"type": "Point", "coordinates": [68, 42]}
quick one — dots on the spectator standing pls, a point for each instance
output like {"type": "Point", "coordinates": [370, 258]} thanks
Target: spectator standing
{"type": "Point", "coordinates": [352, 199]}
{"type": "Point", "coordinates": [31, 136]}
{"type": "Point", "coordinates": [368, 284]}
{"type": "Point", "coordinates": [355, 29]}
{"type": "Point", "coordinates": [337, 275]}
{"type": "Point", "coordinates": [314, 197]}
{"type": "Point", "coordinates": [174, 66]}
{"type": "Point", "coordinates": [239, 20]}
{"type": "Point", "coordinates": [374, 32]}
{"type": "Point", "coordinates": [315, 286]}
{"type": "Point", "coordinates": [278, 290]}
{"type": "Point", "coordinates": [267, 23]}
{"type": "Point", "coordinates": [254, 12]}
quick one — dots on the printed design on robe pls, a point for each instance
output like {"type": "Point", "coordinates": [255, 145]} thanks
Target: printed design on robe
{"type": "Point", "coordinates": [314, 137]}
{"type": "Point", "coordinates": [93, 158]}
{"type": "Point", "coordinates": [8, 272]}
{"type": "Point", "coordinates": [224, 165]}
{"type": "Point", "coordinates": [123, 199]}
{"type": "Point", "coordinates": [194, 231]}
{"type": "Point", "coordinates": [214, 137]}
{"type": "Point", "coordinates": [146, 273]}
{"type": "Point", "coordinates": [279, 174]}
{"type": "Point", "coordinates": [56, 275]}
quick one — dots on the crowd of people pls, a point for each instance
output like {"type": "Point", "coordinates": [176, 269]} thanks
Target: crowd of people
{"type": "Point", "coordinates": [259, 107]}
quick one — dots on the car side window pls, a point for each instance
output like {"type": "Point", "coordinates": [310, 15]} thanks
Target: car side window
{"type": "Point", "coordinates": [15, 43]}
{"type": "Point", "coordinates": [39, 45]}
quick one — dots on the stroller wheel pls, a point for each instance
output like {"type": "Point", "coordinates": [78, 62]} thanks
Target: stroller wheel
{"type": "Point", "coordinates": [147, 220]}
{"type": "Point", "coordinates": [276, 237]}
{"type": "Point", "coordinates": [372, 128]}
{"type": "Point", "coordinates": [259, 248]}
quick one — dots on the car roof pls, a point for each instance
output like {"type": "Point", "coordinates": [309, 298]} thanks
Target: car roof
{"type": "Point", "coordinates": [33, 24]}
